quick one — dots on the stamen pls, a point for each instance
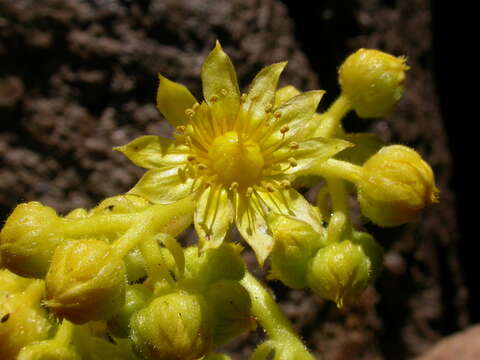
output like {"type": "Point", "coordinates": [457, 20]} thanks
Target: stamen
{"type": "Point", "coordinates": [270, 188]}
{"type": "Point", "coordinates": [180, 129]}
{"type": "Point", "coordinates": [207, 185]}
{"type": "Point", "coordinates": [191, 158]}
{"type": "Point", "coordinates": [233, 186]}
{"type": "Point", "coordinates": [249, 191]}
{"type": "Point", "coordinates": [189, 113]}
{"type": "Point", "coordinates": [214, 98]}
{"type": "Point", "coordinates": [202, 167]}
{"type": "Point", "coordinates": [268, 108]}
{"type": "Point", "coordinates": [277, 114]}
{"type": "Point", "coordinates": [284, 129]}
{"type": "Point", "coordinates": [285, 184]}
{"type": "Point", "coordinates": [293, 145]}
{"type": "Point", "coordinates": [195, 106]}
{"type": "Point", "coordinates": [292, 162]}
{"type": "Point", "coordinates": [243, 98]}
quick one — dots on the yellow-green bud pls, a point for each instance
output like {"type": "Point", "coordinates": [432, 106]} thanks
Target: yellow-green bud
{"type": "Point", "coordinates": [373, 82]}
{"type": "Point", "coordinates": [396, 186]}
{"type": "Point", "coordinates": [214, 264]}
{"type": "Point", "coordinates": [231, 310]}
{"type": "Point", "coordinates": [22, 320]}
{"type": "Point", "coordinates": [136, 297]}
{"type": "Point", "coordinates": [176, 326]}
{"type": "Point", "coordinates": [29, 238]}
{"type": "Point", "coordinates": [342, 271]}
{"type": "Point", "coordinates": [121, 204]}
{"type": "Point", "coordinates": [48, 350]}
{"type": "Point", "coordinates": [86, 281]}
{"type": "Point", "coordinates": [295, 244]}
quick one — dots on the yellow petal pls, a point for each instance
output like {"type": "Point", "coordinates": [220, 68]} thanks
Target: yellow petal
{"type": "Point", "coordinates": [164, 186]}
{"type": "Point", "coordinates": [289, 202]}
{"type": "Point", "coordinates": [213, 216]}
{"type": "Point", "coordinates": [252, 225]}
{"type": "Point", "coordinates": [261, 95]}
{"type": "Point", "coordinates": [154, 152]}
{"type": "Point", "coordinates": [172, 101]}
{"type": "Point", "coordinates": [284, 94]}
{"type": "Point", "coordinates": [220, 86]}
{"type": "Point", "coordinates": [295, 116]}
{"type": "Point", "coordinates": [309, 152]}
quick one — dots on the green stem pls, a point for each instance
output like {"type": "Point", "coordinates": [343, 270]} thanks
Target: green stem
{"type": "Point", "coordinates": [340, 220]}
{"type": "Point", "coordinates": [270, 317]}
{"type": "Point", "coordinates": [171, 219]}
{"type": "Point", "coordinates": [338, 169]}
{"type": "Point", "coordinates": [330, 120]}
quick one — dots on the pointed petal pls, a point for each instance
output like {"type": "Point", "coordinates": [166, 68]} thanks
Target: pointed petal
{"type": "Point", "coordinates": [252, 225]}
{"type": "Point", "coordinates": [309, 152]}
{"type": "Point", "coordinates": [154, 152]}
{"type": "Point", "coordinates": [290, 202]}
{"type": "Point", "coordinates": [262, 91]}
{"type": "Point", "coordinates": [220, 86]}
{"type": "Point", "coordinates": [164, 186]}
{"type": "Point", "coordinates": [213, 216]}
{"type": "Point", "coordinates": [284, 94]}
{"type": "Point", "coordinates": [295, 114]}
{"type": "Point", "coordinates": [172, 101]}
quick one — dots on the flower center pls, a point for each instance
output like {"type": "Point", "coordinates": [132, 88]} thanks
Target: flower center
{"type": "Point", "coordinates": [236, 159]}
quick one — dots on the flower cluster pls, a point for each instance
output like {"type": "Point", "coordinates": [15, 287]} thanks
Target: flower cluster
{"type": "Point", "coordinates": [113, 281]}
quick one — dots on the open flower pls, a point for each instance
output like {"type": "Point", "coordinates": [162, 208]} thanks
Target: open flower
{"type": "Point", "coordinates": [236, 154]}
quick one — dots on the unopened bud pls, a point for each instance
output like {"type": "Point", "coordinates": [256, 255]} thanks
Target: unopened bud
{"type": "Point", "coordinates": [86, 281]}
{"type": "Point", "coordinates": [396, 186]}
{"type": "Point", "coordinates": [373, 82]}
{"type": "Point", "coordinates": [29, 238]}
{"type": "Point", "coordinates": [176, 326]}
{"type": "Point", "coordinates": [342, 271]}
{"type": "Point", "coordinates": [22, 320]}
{"type": "Point", "coordinates": [295, 244]}
{"type": "Point", "coordinates": [231, 310]}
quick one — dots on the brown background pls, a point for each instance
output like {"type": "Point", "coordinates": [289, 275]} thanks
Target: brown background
{"type": "Point", "coordinates": [78, 77]}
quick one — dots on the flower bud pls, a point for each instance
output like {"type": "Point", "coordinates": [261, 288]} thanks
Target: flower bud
{"type": "Point", "coordinates": [295, 244]}
{"type": "Point", "coordinates": [231, 310]}
{"type": "Point", "coordinates": [22, 320]}
{"type": "Point", "coordinates": [214, 264]}
{"type": "Point", "coordinates": [29, 238]}
{"type": "Point", "coordinates": [342, 271]}
{"type": "Point", "coordinates": [86, 281]}
{"type": "Point", "coordinates": [373, 82]}
{"type": "Point", "coordinates": [176, 326]}
{"type": "Point", "coordinates": [136, 297]}
{"type": "Point", "coordinates": [48, 350]}
{"type": "Point", "coordinates": [397, 184]}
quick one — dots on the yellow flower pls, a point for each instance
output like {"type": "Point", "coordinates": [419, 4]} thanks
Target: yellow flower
{"type": "Point", "coordinates": [235, 153]}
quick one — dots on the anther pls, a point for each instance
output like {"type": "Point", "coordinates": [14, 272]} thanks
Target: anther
{"type": "Point", "coordinates": [293, 145]}
{"type": "Point", "coordinates": [270, 188]}
{"type": "Point", "coordinates": [191, 158]}
{"type": "Point", "coordinates": [284, 129]}
{"type": "Point", "coordinates": [207, 185]}
{"type": "Point", "coordinates": [189, 112]}
{"type": "Point", "coordinates": [214, 98]}
{"type": "Point", "coordinates": [268, 108]}
{"type": "Point", "coordinates": [243, 98]}
{"type": "Point", "coordinates": [195, 106]}
{"type": "Point", "coordinates": [180, 129]}
{"type": "Point", "coordinates": [249, 191]}
{"type": "Point", "coordinates": [277, 114]}
{"type": "Point", "coordinates": [224, 92]}
{"type": "Point", "coordinates": [292, 162]}
{"type": "Point", "coordinates": [202, 167]}
{"type": "Point", "coordinates": [233, 186]}
{"type": "Point", "coordinates": [285, 184]}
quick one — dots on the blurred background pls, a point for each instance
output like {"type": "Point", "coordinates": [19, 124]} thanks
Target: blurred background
{"type": "Point", "coordinates": [78, 77]}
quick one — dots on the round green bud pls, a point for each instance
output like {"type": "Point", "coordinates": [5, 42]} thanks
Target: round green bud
{"type": "Point", "coordinates": [86, 281]}
{"type": "Point", "coordinates": [397, 184]}
{"type": "Point", "coordinates": [136, 297]}
{"type": "Point", "coordinates": [296, 242]}
{"type": "Point", "coordinates": [48, 350]}
{"type": "Point", "coordinates": [29, 238]}
{"type": "Point", "coordinates": [22, 319]}
{"type": "Point", "coordinates": [231, 310]}
{"type": "Point", "coordinates": [342, 271]}
{"type": "Point", "coordinates": [373, 82]}
{"type": "Point", "coordinates": [214, 264]}
{"type": "Point", "coordinates": [176, 326]}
